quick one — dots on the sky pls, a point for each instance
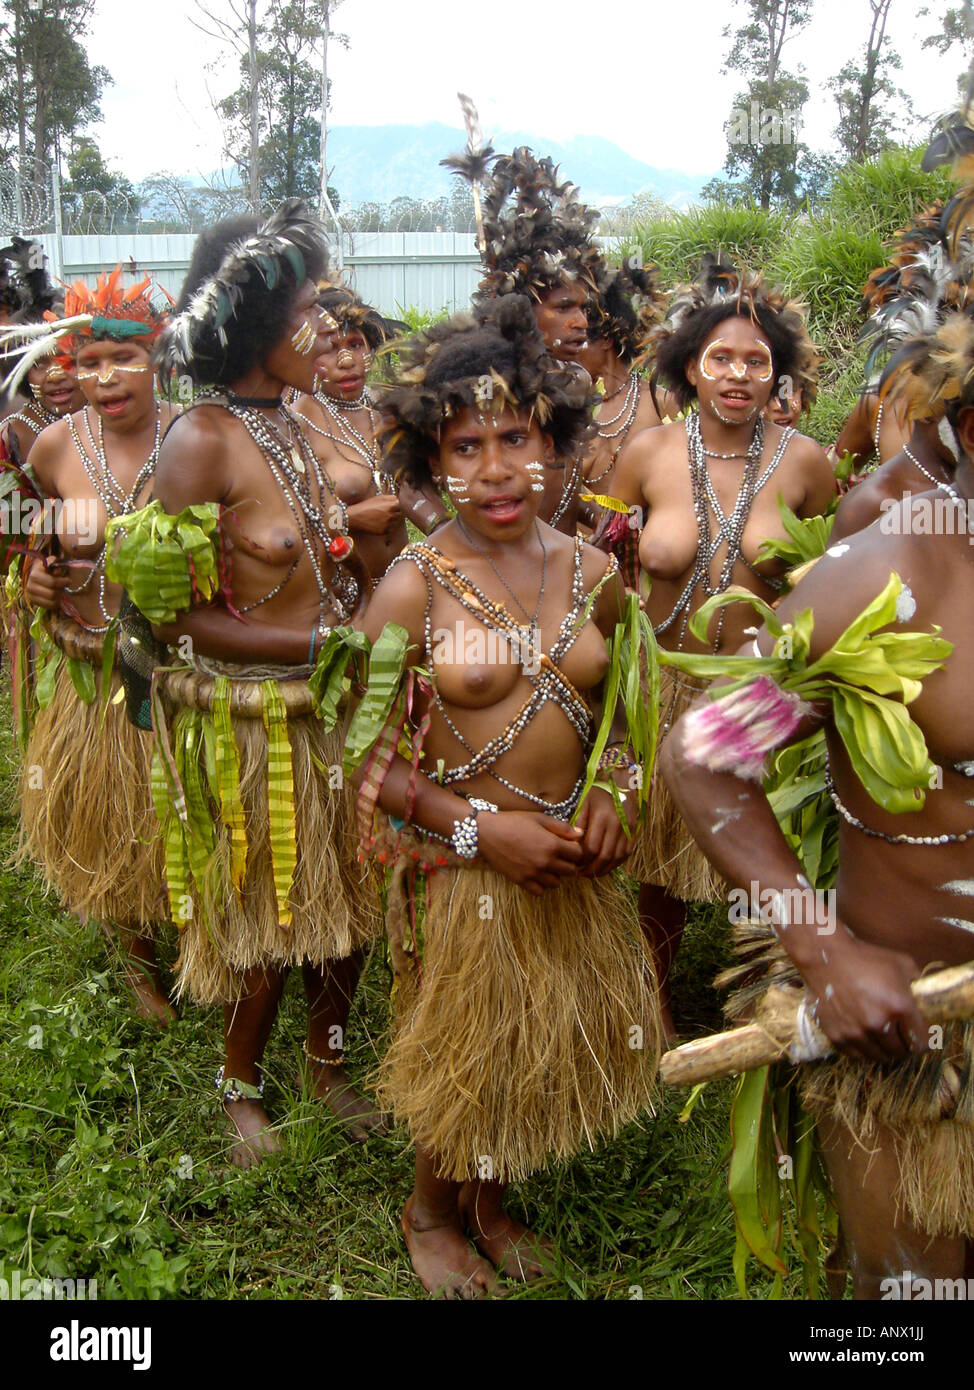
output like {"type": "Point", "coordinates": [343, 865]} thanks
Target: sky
{"type": "Point", "coordinates": [648, 77]}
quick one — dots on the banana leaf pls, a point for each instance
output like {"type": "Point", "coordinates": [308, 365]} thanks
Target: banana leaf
{"type": "Point", "coordinates": [48, 664]}
{"type": "Point", "coordinates": [753, 1183]}
{"type": "Point", "coordinates": [387, 661]}
{"type": "Point", "coordinates": [174, 845]}
{"type": "Point", "coordinates": [197, 830]}
{"type": "Point", "coordinates": [808, 537]}
{"type": "Point", "coordinates": [166, 563]}
{"type": "Point", "coordinates": [83, 680]}
{"type": "Point", "coordinates": [342, 647]}
{"type": "Point", "coordinates": [860, 674]}
{"type": "Point", "coordinates": [228, 781]}
{"type": "Point", "coordinates": [280, 798]}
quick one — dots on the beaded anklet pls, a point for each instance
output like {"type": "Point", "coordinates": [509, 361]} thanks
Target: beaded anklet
{"type": "Point", "coordinates": [233, 1090]}
{"type": "Point", "coordinates": [338, 1061]}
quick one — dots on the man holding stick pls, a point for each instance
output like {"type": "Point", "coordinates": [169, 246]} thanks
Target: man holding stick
{"type": "Point", "coordinates": [895, 1111]}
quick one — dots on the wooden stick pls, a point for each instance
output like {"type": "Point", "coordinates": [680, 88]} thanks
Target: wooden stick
{"type": "Point", "coordinates": [942, 996]}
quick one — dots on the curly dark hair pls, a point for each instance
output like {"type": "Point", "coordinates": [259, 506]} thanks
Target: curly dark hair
{"type": "Point", "coordinates": [239, 293]}
{"type": "Point", "coordinates": [350, 313]}
{"type": "Point", "coordinates": [628, 305]}
{"type": "Point", "coordinates": [721, 292]}
{"type": "Point", "coordinates": [498, 350]}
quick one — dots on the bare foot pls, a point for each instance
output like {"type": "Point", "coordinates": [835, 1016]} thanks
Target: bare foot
{"type": "Point", "coordinates": [356, 1112]}
{"type": "Point", "coordinates": [150, 1002]}
{"type": "Point", "coordinates": [511, 1248]}
{"type": "Point", "coordinates": [255, 1137]}
{"type": "Point", "coordinates": [444, 1260]}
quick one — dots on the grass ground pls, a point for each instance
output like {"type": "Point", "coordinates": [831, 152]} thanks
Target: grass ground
{"type": "Point", "coordinates": [113, 1165]}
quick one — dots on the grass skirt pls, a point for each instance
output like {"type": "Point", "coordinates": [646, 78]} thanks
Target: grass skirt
{"type": "Point", "coordinates": [333, 898]}
{"type": "Point", "coordinates": [87, 820]}
{"type": "Point", "coordinates": [925, 1103]}
{"type": "Point", "coordinates": [665, 852]}
{"type": "Point", "coordinates": [527, 1027]}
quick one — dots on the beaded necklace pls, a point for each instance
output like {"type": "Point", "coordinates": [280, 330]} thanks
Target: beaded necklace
{"type": "Point", "coordinates": [113, 497]}
{"type": "Point", "coordinates": [629, 408]}
{"type": "Point", "coordinates": [532, 621]}
{"type": "Point", "coordinates": [549, 683]}
{"type": "Point", "coordinates": [568, 493]}
{"type": "Point", "coordinates": [44, 416]}
{"type": "Point", "coordinates": [730, 529]}
{"type": "Point", "coordinates": [937, 482]}
{"type": "Point", "coordinates": [291, 462]}
{"type": "Point", "coordinates": [363, 455]}
{"type": "Point", "coordinates": [955, 838]}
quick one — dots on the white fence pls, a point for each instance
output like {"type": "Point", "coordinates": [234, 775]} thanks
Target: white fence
{"type": "Point", "coordinates": [393, 271]}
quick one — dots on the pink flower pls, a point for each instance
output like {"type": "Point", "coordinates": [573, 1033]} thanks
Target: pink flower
{"type": "Point", "coordinates": [735, 732]}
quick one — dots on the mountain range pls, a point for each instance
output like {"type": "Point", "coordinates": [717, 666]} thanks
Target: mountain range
{"type": "Point", "coordinates": [382, 162]}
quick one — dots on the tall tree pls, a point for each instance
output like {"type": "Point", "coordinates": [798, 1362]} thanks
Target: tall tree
{"type": "Point", "coordinates": [325, 202]}
{"type": "Point", "coordinates": [57, 92]}
{"type": "Point", "coordinates": [763, 144]}
{"type": "Point", "coordinates": [241, 32]}
{"type": "Point", "coordinates": [865, 94]}
{"type": "Point", "coordinates": [956, 30]}
{"type": "Point", "coordinates": [272, 121]}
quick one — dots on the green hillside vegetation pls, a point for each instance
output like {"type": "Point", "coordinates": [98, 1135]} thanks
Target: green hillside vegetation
{"type": "Point", "coordinates": [821, 256]}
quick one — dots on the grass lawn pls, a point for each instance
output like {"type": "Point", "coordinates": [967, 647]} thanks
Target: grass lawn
{"type": "Point", "coordinates": [113, 1164]}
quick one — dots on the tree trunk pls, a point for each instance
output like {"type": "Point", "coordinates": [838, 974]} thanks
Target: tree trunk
{"type": "Point", "coordinates": [323, 202]}
{"type": "Point", "coordinates": [21, 118]}
{"type": "Point", "coordinates": [880, 10]}
{"type": "Point", "coordinates": [254, 192]}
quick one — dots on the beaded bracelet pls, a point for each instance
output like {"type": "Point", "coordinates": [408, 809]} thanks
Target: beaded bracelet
{"type": "Point", "coordinates": [614, 758]}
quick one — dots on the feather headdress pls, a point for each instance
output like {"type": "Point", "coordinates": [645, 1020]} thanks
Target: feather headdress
{"type": "Point", "coordinates": [491, 359]}
{"type": "Point", "coordinates": [933, 375]}
{"type": "Point", "coordinates": [473, 164]}
{"type": "Point", "coordinates": [744, 293]}
{"type": "Point", "coordinates": [953, 144]}
{"type": "Point", "coordinates": [107, 311]}
{"type": "Point", "coordinates": [924, 281]}
{"type": "Point", "coordinates": [279, 255]}
{"type": "Point", "coordinates": [538, 234]}
{"type": "Point", "coordinates": [349, 312]}
{"type": "Point", "coordinates": [25, 286]}
{"type": "Point", "coordinates": [628, 306]}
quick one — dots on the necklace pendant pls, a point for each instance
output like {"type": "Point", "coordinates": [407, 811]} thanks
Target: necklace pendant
{"type": "Point", "coordinates": [297, 460]}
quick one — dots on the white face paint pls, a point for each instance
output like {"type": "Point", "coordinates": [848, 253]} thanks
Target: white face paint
{"type": "Point", "coordinates": [738, 370]}
{"type": "Point", "coordinates": [536, 472]}
{"type": "Point", "coordinates": [959, 885]}
{"type": "Point", "coordinates": [304, 339]}
{"type": "Point", "coordinates": [457, 487]}
{"type": "Point", "coordinates": [830, 991]}
{"type": "Point", "coordinates": [960, 922]}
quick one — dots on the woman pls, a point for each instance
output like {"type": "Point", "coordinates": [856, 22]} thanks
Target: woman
{"type": "Point", "coordinates": [708, 487]}
{"type": "Point", "coordinates": [527, 1022]}
{"type": "Point", "coordinates": [86, 808]}
{"type": "Point", "coordinates": [262, 870]}
{"type": "Point", "coordinates": [919, 269]}
{"type": "Point", "coordinates": [927, 278]}
{"type": "Point", "coordinates": [894, 1109]}
{"type": "Point", "coordinates": [538, 240]}
{"type": "Point", "coordinates": [621, 318]}
{"type": "Point", "coordinates": [341, 422]}
{"type": "Point", "coordinates": [55, 392]}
